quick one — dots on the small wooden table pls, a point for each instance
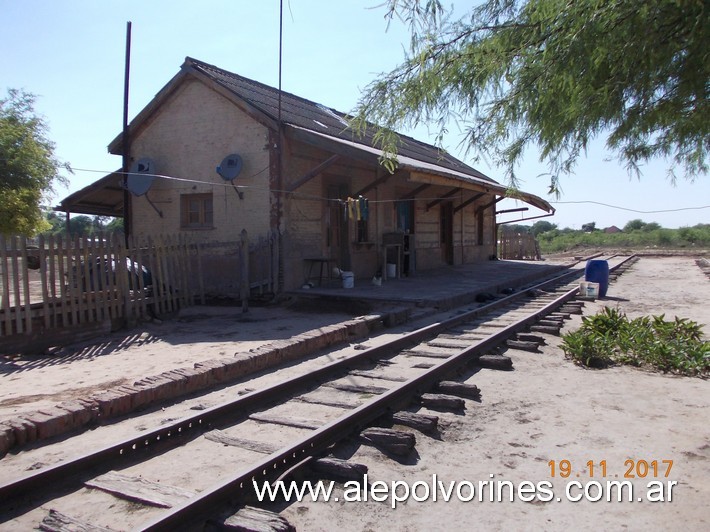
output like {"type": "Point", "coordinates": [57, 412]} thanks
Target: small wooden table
{"type": "Point", "coordinates": [323, 264]}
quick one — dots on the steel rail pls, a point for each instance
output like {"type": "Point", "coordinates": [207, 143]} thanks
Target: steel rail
{"type": "Point", "coordinates": [182, 517]}
{"type": "Point", "coordinates": [33, 486]}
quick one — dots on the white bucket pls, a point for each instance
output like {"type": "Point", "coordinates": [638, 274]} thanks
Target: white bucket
{"type": "Point", "coordinates": [589, 290]}
{"type": "Point", "coordinates": [348, 279]}
{"type": "Point", "coordinates": [391, 270]}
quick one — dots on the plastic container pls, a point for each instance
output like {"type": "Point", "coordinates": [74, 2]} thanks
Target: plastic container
{"type": "Point", "coordinates": [348, 279]}
{"type": "Point", "coordinates": [588, 290]}
{"type": "Point", "coordinates": [391, 270]}
{"type": "Point", "coordinates": [597, 271]}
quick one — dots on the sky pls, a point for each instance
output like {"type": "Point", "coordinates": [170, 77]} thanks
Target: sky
{"type": "Point", "coordinates": [71, 54]}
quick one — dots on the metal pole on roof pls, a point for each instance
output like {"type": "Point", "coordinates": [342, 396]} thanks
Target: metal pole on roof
{"type": "Point", "coordinates": [279, 193]}
{"type": "Point", "coordinates": [126, 140]}
{"type": "Point", "coordinates": [281, 37]}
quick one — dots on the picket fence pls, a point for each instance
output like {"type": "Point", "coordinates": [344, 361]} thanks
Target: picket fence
{"type": "Point", "coordinates": [515, 246]}
{"type": "Point", "coordinates": [56, 283]}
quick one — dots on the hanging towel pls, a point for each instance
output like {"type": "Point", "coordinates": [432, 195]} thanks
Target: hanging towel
{"type": "Point", "coordinates": [364, 208]}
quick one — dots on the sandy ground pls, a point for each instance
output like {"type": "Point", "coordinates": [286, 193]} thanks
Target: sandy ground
{"type": "Point", "coordinates": [545, 411]}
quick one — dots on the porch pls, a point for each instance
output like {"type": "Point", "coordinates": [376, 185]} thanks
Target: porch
{"type": "Point", "coordinates": [441, 288]}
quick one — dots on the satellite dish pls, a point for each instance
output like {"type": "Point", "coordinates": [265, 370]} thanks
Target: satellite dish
{"type": "Point", "coordinates": [140, 179]}
{"type": "Point", "coordinates": [230, 167]}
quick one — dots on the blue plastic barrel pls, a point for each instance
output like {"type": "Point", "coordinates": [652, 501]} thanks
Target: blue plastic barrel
{"type": "Point", "coordinates": [597, 271]}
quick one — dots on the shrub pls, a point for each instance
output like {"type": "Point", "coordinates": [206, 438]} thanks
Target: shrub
{"type": "Point", "coordinates": [610, 338]}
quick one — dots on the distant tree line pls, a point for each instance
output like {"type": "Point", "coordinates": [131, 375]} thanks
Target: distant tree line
{"type": "Point", "coordinates": [635, 234]}
{"type": "Point", "coordinates": [81, 225]}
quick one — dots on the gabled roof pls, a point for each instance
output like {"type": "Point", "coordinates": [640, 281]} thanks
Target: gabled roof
{"type": "Point", "coordinates": [295, 111]}
{"type": "Point", "coordinates": [319, 125]}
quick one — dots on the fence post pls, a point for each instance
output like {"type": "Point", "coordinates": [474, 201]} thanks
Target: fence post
{"type": "Point", "coordinates": [244, 285]}
{"type": "Point", "coordinates": [5, 268]}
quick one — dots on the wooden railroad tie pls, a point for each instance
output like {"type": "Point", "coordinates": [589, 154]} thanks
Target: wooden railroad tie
{"type": "Point", "coordinates": [460, 389]}
{"type": "Point", "coordinates": [523, 337]}
{"type": "Point", "coordinates": [421, 422]}
{"type": "Point", "coordinates": [337, 469]}
{"type": "Point", "coordinates": [55, 521]}
{"type": "Point", "coordinates": [547, 329]}
{"type": "Point", "coordinates": [140, 490]}
{"type": "Point", "coordinates": [286, 421]}
{"type": "Point", "coordinates": [356, 388]}
{"type": "Point", "coordinates": [493, 361]}
{"type": "Point", "coordinates": [222, 437]}
{"type": "Point", "coordinates": [442, 401]}
{"type": "Point", "coordinates": [523, 345]}
{"type": "Point", "coordinates": [397, 442]}
{"type": "Point", "coordinates": [550, 322]}
{"type": "Point", "coordinates": [251, 519]}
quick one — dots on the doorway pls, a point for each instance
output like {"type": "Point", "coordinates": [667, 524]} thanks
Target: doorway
{"type": "Point", "coordinates": [446, 226]}
{"type": "Point", "coordinates": [337, 227]}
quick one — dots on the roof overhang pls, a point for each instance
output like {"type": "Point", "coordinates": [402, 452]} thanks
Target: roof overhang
{"type": "Point", "coordinates": [420, 172]}
{"type": "Point", "coordinates": [102, 198]}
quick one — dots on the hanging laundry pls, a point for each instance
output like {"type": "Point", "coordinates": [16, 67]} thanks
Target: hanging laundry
{"type": "Point", "coordinates": [364, 205]}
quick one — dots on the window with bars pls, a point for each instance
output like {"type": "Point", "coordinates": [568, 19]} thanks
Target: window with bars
{"type": "Point", "coordinates": [196, 211]}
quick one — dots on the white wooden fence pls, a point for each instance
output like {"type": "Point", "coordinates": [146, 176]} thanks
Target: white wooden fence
{"type": "Point", "coordinates": [58, 283]}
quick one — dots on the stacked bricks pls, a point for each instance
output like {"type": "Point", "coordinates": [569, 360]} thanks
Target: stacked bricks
{"type": "Point", "coordinates": [120, 400]}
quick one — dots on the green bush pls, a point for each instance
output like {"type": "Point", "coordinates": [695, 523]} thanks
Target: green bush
{"type": "Point", "coordinates": [610, 338]}
{"type": "Point", "coordinates": [637, 234]}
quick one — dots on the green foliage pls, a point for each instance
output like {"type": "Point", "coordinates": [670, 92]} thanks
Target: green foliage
{"type": "Point", "coordinates": [556, 241]}
{"type": "Point", "coordinates": [542, 226]}
{"type": "Point", "coordinates": [634, 225]}
{"type": "Point", "coordinates": [28, 167]}
{"type": "Point", "coordinates": [553, 74]}
{"type": "Point", "coordinates": [610, 338]}
{"type": "Point", "coordinates": [517, 229]}
{"type": "Point", "coordinates": [81, 225]}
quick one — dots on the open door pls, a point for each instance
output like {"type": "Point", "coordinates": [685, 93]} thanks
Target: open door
{"type": "Point", "coordinates": [337, 227]}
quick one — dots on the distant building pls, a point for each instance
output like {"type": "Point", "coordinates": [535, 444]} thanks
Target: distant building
{"type": "Point", "coordinates": [613, 229]}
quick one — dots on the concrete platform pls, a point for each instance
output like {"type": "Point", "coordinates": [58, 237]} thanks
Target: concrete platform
{"type": "Point", "coordinates": [441, 288]}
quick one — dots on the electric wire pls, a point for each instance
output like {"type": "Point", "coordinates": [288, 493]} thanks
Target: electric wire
{"type": "Point", "coordinates": [315, 197]}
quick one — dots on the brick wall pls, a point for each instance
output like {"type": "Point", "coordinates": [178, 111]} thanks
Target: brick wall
{"type": "Point", "coordinates": [194, 130]}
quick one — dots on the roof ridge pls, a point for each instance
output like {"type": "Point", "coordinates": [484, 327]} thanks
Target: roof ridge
{"type": "Point", "coordinates": [424, 150]}
{"type": "Point", "coordinates": [197, 62]}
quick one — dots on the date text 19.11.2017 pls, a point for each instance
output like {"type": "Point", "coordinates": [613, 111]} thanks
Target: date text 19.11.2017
{"type": "Point", "coordinates": [594, 469]}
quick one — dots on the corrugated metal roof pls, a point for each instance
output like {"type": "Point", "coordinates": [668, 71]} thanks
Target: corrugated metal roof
{"type": "Point", "coordinates": [314, 120]}
{"type": "Point", "coordinates": [321, 119]}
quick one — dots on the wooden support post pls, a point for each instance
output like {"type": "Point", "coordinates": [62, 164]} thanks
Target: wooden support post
{"type": "Point", "coordinates": [244, 284]}
{"type": "Point", "coordinates": [305, 178]}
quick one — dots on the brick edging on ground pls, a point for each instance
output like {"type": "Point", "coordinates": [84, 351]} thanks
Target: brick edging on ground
{"type": "Point", "coordinates": [80, 414]}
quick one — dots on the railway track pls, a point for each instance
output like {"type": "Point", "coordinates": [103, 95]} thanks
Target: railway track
{"type": "Point", "coordinates": [314, 410]}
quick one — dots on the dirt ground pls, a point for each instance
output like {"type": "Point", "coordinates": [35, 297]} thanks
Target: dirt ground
{"type": "Point", "coordinates": [545, 411]}
{"type": "Point", "coordinates": [548, 409]}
